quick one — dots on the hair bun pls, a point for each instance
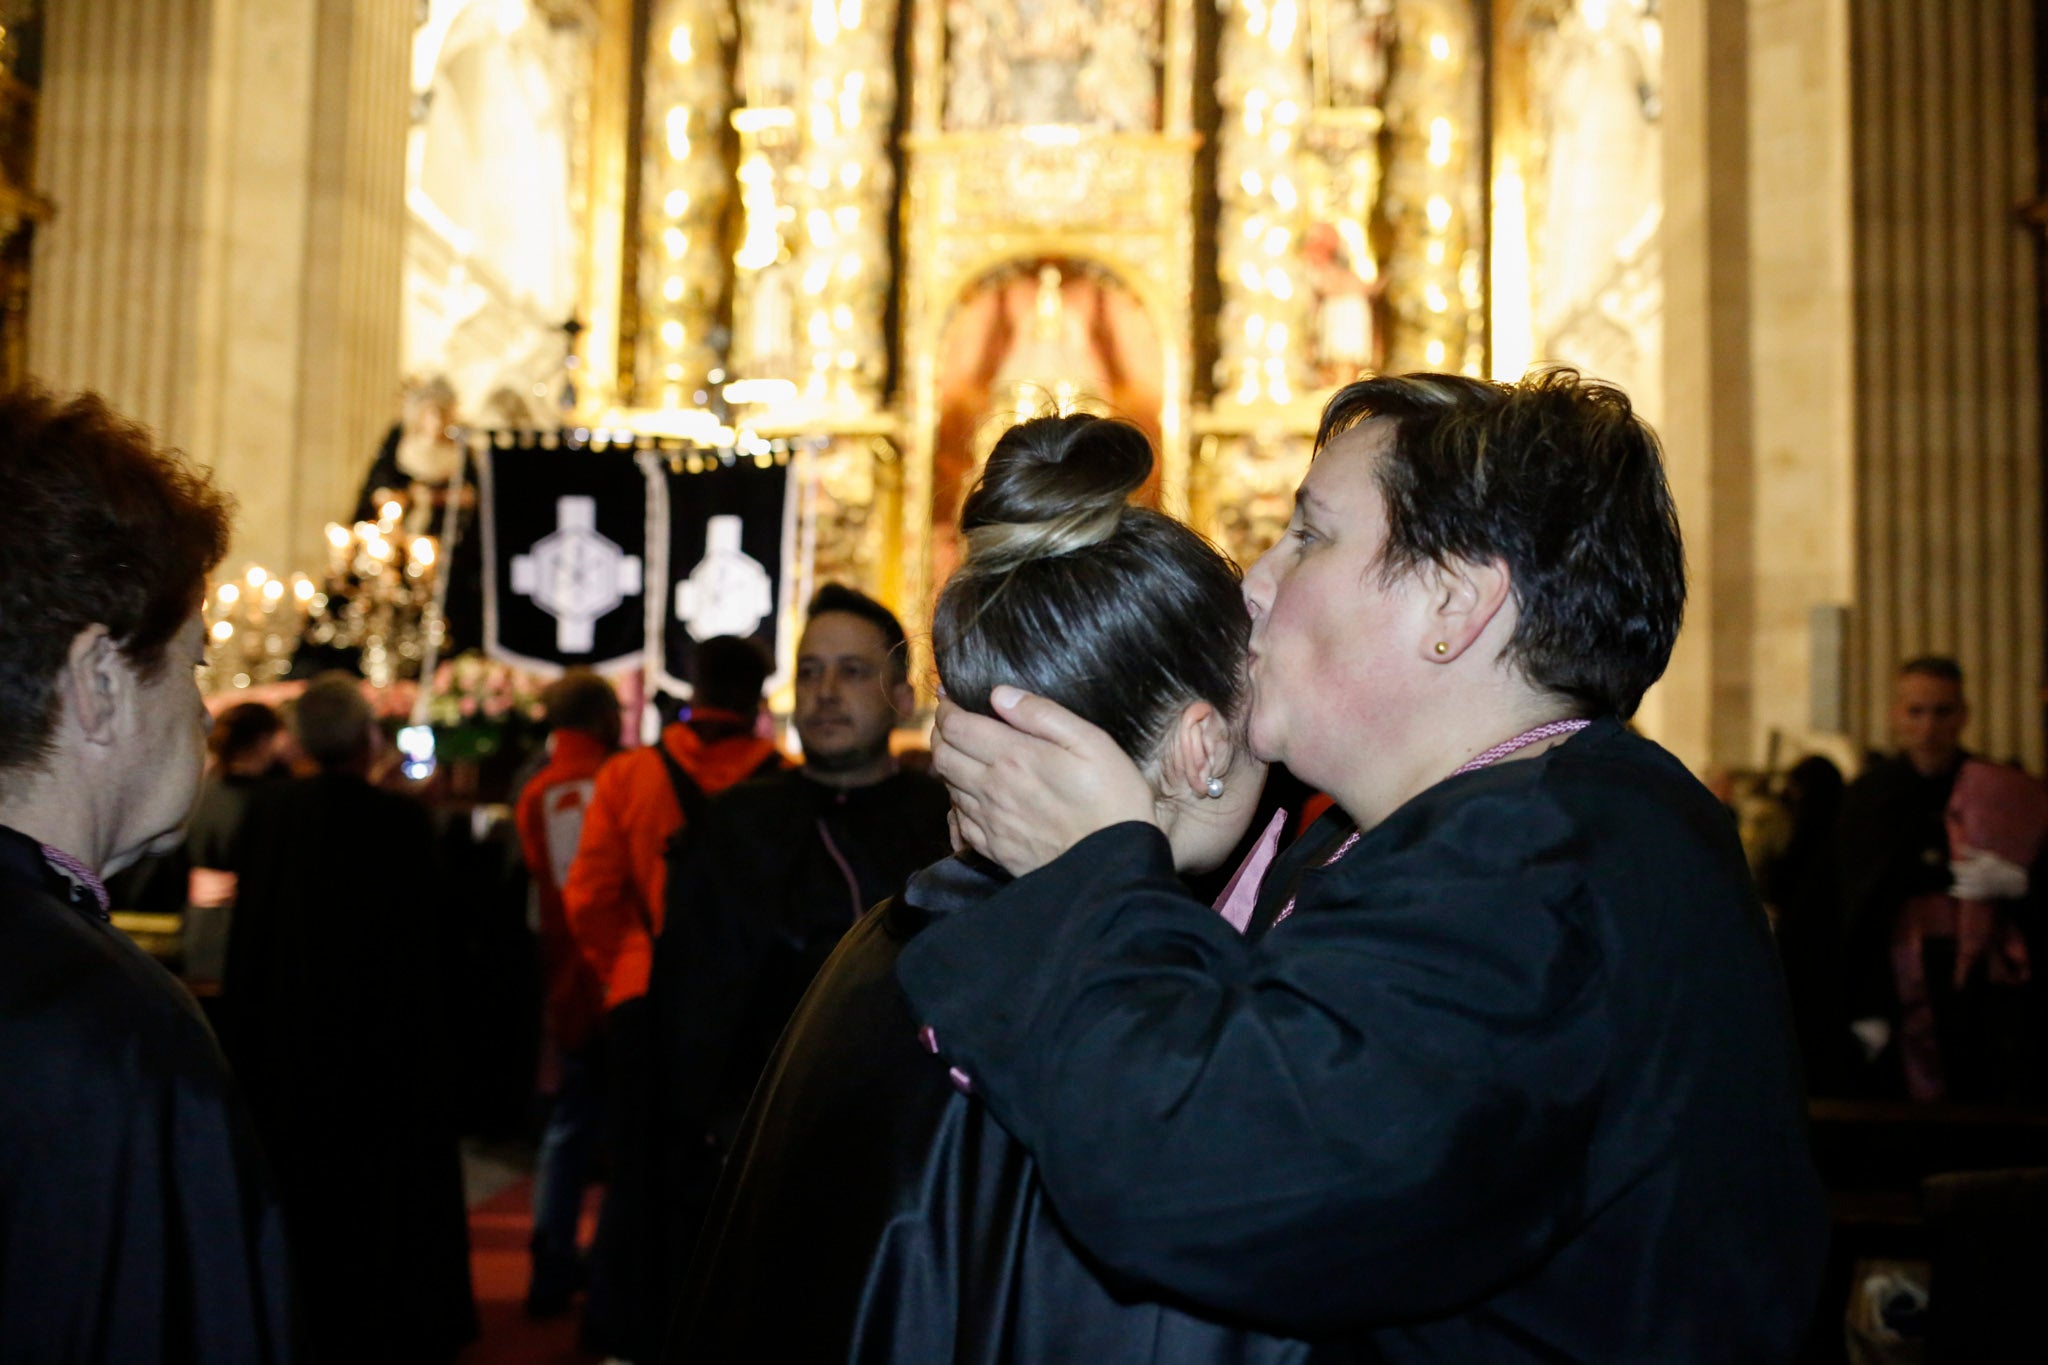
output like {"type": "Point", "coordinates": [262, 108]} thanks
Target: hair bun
{"type": "Point", "coordinates": [1053, 485]}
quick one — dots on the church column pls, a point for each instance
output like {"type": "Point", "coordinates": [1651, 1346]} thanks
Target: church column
{"type": "Point", "coordinates": [224, 264]}
{"type": "Point", "coordinates": [1263, 88]}
{"type": "Point", "coordinates": [842, 257]}
{"type": "Point", "coordinates": [1804, 381]}
{"type": "Point", "coordinates": [1948, 417]}
{"type": "Point", "coordinates": [1701, 710]}
{"type": "Point", "coordinates": [685, 187]}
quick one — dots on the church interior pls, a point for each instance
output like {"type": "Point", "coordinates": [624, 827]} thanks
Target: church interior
{"type": "Point", "coordinates": [848, 242]}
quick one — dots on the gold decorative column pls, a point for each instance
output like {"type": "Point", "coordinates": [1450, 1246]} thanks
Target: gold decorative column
{"type": "Point", "coordinates": [846, 186]}
{"type": "Point", "coordinates": [1264, 95]}
{"type": "Point", "coordinates": [1434, 196]}
{"type": "Point", "coordinates": [686, 182]}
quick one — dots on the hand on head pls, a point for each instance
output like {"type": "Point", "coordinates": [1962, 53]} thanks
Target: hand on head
{"type": "Point", "coordinates": [1031, 785]}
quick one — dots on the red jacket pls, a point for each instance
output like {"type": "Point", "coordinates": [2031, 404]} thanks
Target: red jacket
{"type": "Point", "coordinates": [615, 887]}
{"type": "Point", "coordinates": [550, 823]}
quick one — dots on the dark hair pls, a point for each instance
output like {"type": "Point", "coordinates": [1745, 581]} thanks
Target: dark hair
{"type": "Point", "coordinates": [585, 701]}
{"type": "Point", "coordinates": [1116, 612]}
{"type": "Point", "coordinates": [332, 719]}
{"type": "Point", "coordinates": [1933, 666]}
{"type": "Point", "coordinates": [839, 597]}
{"type": "Point", "coordinates": [1558, 479]}
{"type": "Point", "coordinates": [240, 728]}
{"type": "Point", "coordinates": [105, 527]}
{"type": "Point", "coordinates": [727, 674]}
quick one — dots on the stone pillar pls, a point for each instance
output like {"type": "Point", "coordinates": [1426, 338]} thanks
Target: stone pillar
{"type": "Point", "coordinates": [1701, 710]}
{"type": "Point", "coordinates": [225, 261]}
{"type": "Point", "coordinates": [1803, 368]}
{"type": "Point", "coordinates": [1948, 377]}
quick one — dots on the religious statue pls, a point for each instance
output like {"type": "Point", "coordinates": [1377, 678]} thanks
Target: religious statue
{"type": "Point", "coordinates": [1088, 63]}
{"type": "Point", "coordinates": [1353, 51]}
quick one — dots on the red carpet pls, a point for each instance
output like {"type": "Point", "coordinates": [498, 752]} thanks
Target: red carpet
{"type": "Point", "coordinates": [498, 1231]}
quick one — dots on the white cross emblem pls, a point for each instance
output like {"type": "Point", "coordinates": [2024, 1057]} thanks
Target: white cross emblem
{"type": "Point", "coordinates": [728, 593]}
{"type": "Point", "coordinates": [576, 575]}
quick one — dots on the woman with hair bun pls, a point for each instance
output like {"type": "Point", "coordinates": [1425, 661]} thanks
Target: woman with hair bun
{"type": "Point", "coordinates": [1502, 1070]}
{"type": "Point", "coordinates": [872, 1210]}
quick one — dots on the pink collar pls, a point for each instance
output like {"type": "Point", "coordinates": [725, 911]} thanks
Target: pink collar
{"type": "Point", "coordinates": [80, 873]}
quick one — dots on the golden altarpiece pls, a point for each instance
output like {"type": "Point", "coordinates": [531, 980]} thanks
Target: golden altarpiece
{"type": "Point", "coordinates": [895, 226]}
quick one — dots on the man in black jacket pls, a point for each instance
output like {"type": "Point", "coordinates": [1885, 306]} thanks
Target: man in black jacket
{"type": "Point", "coordinates": [337, 986]}
{"type": "Point", "coordinates": [772, 876]}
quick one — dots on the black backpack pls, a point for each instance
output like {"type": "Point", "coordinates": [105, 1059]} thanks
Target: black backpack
{"type": "Point", "coordinates": [691, 797]}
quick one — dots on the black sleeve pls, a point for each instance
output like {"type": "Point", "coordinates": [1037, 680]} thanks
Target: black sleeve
{"type": "Point", "coordinates": [1379, 1110]}
{"type": "Point", "coordinates": [138, 1226]}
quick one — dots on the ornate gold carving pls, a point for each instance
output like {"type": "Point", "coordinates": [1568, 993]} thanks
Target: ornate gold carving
{"type": "Point", "coordinates": [1244, 487]}
{"type": "Point", "coordinates": [978, 201]}
{"type": "Point", "coordinates": [1263, 91]}
{"type": "Point", "coordinates": [1433, 197]}
{"type": "Point", "coordinates": [1081, 63]}
{"type": "Point", "coordinates": [686, 183]}
{"type": "Point", "coordinates": [851, 496]}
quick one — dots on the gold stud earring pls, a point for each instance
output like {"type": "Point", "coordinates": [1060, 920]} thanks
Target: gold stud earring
{"type": "Point", "coordinates": [1443, 646]}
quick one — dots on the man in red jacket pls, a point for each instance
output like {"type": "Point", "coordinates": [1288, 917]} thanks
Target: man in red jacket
{"type": "Point", "coordinates": [614, 901]}
{"type": "Point", "coordinates": [616, 884]}
{"type": "Point", "coordinates": [583, 717]}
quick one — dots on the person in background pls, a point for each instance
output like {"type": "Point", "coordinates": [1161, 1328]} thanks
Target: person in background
{"type": "Point", "coordinates": [136, 1221]}
{"type": "Point", "coordinates": [1502, 1070]}
{"type": "Point", "coordinates": [339, 965]}
{"type": "Point", "coordinates": [1798, 882]}
{"type": "Point", "coordinates": [1935, 849]}
{"type": "Point", "coordinates": [243, 752]}
{"type": "Point", "coordinates": [776, 871]}
{"type": "Point", "coordinates": [582, 714]}
{"type": "Point", "coordinates": [614, 902]}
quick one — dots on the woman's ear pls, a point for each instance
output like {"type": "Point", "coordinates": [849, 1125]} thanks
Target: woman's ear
{"type": "Point", "coordinates": [1465, 598]}
{"type": "Point", "coordinates": [1197, 749]}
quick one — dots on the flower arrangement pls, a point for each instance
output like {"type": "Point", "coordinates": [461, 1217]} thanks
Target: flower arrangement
{"type": "Point", "coordinates": [479, 703]}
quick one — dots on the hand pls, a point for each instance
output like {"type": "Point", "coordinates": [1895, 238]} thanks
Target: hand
{"type": "Point", "coordinates": [1982, 876]}
{"type": "Point", "coordinates": [1028, 790]}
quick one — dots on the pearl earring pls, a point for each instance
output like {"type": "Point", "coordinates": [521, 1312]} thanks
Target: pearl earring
{"type": "Point", "coordinates": [1443, 646]}
{"type": "Point", "coordinates": [1215, 788]}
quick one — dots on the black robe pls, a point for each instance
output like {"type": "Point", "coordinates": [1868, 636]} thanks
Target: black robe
{"type": "Point", "coordinates": [873, 1213]}
{"type": "Point", "coordinates": [338, 975]}
{"type": "Point", "coordinates": [1514, 1082]}
{"type": "Point", "coordinates": [774, 872]}
{"type": "Point", "coordinates": [136, 1223]}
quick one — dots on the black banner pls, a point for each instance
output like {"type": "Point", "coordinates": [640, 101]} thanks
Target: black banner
{"type": "Point", "coordinates": [565, 543]}
{"type": "Point", "coordinates": [727, 560]}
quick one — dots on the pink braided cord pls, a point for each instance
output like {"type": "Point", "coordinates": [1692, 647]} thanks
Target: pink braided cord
{"type": "Point", "coordinates": [80, 873]}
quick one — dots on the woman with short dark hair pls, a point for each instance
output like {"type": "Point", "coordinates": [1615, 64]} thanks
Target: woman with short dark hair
{"type": "Point", "coordinates": [134, 1220]}
{"type": "Point", "coordinates": [1502, 1070]}
{"type": "Point", "coordinates": [908, 1224]}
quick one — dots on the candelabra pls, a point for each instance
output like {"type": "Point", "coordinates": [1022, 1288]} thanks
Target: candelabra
{"type": "Point", "coordinates": [376, 597]}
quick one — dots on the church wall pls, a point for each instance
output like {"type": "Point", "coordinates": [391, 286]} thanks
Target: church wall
{"type": "Point", "coordinates": [224, 263]}
{"type": "Point", "coordinates": [1948, 381]}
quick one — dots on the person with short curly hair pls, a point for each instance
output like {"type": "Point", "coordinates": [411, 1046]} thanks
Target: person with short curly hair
{"type": "Point", "coordinates": [1503, 1069]}
{"type": "Point", "coordinates": [135, 1220]}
